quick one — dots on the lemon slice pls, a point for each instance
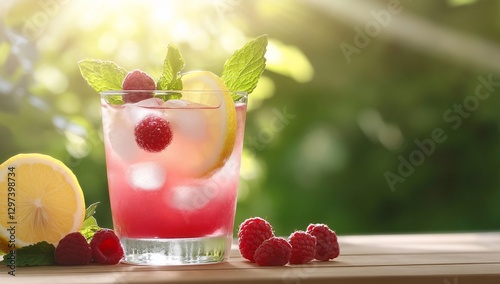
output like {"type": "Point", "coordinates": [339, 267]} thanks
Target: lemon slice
{"type": "Point", "coordinates": [46, 201]}
{"type": "Point", "coordinates": [203, 137]}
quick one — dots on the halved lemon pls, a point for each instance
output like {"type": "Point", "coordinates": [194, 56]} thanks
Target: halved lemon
{"type": "Point", "coordinates": [41, 200]}
{"type": "Point", "coordinates": [204, 126]}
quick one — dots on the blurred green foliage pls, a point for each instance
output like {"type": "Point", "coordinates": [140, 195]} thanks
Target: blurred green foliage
{"type": "Point", "coordinates": [344, 124]}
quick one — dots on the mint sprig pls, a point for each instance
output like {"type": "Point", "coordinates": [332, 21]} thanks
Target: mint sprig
{"type": "Point", "coordinates": [102, 75]}
{"type": "Point", "coordinates": [90, 226]}
{"type": "Point", "coordinates": [41, 253]}
{"type": "Point", "coordinates": [243, 69]}
{"type": "Point", "coordinates": [241, 72]}
{"type": "Point", "coordinates": [89, 231]}
{"type": "Point", "coordinates": [90, 211]}
{"type": "Point", "coordinates": [170, 78]}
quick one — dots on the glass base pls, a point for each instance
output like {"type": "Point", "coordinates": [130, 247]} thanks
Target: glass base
{"type": "Point", "coordinates": [176, 251]}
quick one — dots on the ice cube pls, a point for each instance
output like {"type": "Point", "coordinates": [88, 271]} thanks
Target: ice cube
{"type": "Point", "coordinates": [138, 111]}
{"type": "Point", "coordinates": [177, 103]}
{"type": "Point", "coordinates": [194, 196]}
{"type": "Point", "coordinates": [147, 176]}
{"type": "Point", "coordinates": [188, 119]}
{"type": "Point", "coordinates": [151, 103]}
{"type": "Point", "coordinates": [121, 127]}
{"type": "Point", "coordinates": [121, 137]}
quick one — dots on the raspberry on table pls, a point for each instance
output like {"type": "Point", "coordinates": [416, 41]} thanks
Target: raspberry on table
{"type": "Point", "coordinates": [138, 80]}
{"type": "Point", "coordinates": [273, 252]}
{"type": "Point", "coordinates": [327, 246]}
{"type": "Point", "coordinates": [73, 249]}
{"type": "Point", "coordinates": [251, 234]}
{"type": "Point", "coordinates": [106, 247]}
{"type": "Point", "coordinates": [303, 247]}
{"type": "Point", "coordinates": [153, 133]}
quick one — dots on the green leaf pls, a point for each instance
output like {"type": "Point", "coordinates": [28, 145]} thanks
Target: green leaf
{"type": "Point", "coordinates": [41, 253]}
{"type": "Point", "coordinates": [91, 210]}
{"type": "Point", "coordinates": [102, 75]}
{"type": "Point", "coordinates": [89, 231]}
{"type": "Point", "coordinates": [90, 221]}
{"type": "Point", "coordinates": [170, 78]}
{"type": "Point", "coordinates": [242, 70]}
{"type": "Point", "coordinates": [90, 226]}
{"type": "Point", "coordinates": [170, 96]}
{"type": "Point", "coordinates": [114, 99]}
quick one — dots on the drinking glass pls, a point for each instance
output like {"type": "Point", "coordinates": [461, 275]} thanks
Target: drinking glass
{"type": "Point", "coordinates": [175, 205]}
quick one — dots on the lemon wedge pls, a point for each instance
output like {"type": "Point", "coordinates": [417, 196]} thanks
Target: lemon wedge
{"type": "Point", "coordinates": [41, 201]}
{"type": "Point", "coordinates": [203, 137]}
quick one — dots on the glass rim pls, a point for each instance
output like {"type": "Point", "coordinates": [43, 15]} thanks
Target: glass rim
{"type": "Point", "coordinates": [109, 96]}
{"type": "Point", "coordinates": [124, 92]}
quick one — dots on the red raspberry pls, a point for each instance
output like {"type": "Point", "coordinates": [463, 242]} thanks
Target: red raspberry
{"type": "Point", "coordinates": [153, 134]}
{"type": "Point", "coordinates": [106, 247]}
{"type": "Point", "coordinates": [273, 252]}
{"type": "Point", "coordinates": [138, 80]}
{"type": "Point", "coordinates": [251, 234]}
{"type": "Point", "coordinates": [303, 247]}
{"type": "Point", "coordinates": [73, 249]}
{"type": "Point", "coordinates": [327, 246]}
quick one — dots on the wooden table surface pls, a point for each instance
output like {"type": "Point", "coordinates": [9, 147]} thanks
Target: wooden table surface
{"type": "Point", "coordinates": [426, 258]}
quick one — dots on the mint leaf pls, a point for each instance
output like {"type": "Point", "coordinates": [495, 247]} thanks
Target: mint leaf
{"type": "Point", "coordinates": [91, 210]}
{"type": "Point", "coordinates": [114, 99]}
{"type": "Point", "coordinates": [170, 96]}
{"type": "Point", "coordinates": [89, 222]}
{"type": "Point", "coordinates": [41, 253]}
{"type": "Point", "coordinates": [89, 231]}
{"type": "Point", "coordinates": [90, 226]}
{"type": "Point", "coordinates": [170, 78]}
{"type": "Point", "coordinates": [102, 75]}
{"type": "Point", "coordinates": [242, 70]}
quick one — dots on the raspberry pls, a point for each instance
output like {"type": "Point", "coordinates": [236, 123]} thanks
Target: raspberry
{"type": "Point", "coordinates": [303, 247]}
{"type": "Point", "coordinates": [251, 234]}
{"type": "Point", "coordinates": [153, 134]}
{"type": "Point", "coordinates": [73, 249]}
{"type": "Point", "coordinates": [106, 247]}
{"type": "Point", "coordinates": [138, 80]}
{"type": "Point", "coordinates": [273, 252]}
{"type": "Point", "coordinates": [327, 246]}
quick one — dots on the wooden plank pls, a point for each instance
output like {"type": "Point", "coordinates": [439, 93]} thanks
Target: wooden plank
{"type": "Point", "coordinates": [420, 243]}
{"type": "Point", "coordinates": [346, 270]}
{"type": "Point", "coordinates": [241, 264]}
{"type": "Point", "coordinates": [439, 258]}
{"type": "Point", "coordinates": [304, 274]}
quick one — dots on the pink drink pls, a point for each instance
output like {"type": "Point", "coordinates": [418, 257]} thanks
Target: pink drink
{"type": "Point", "coordinates": [168, 195]}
